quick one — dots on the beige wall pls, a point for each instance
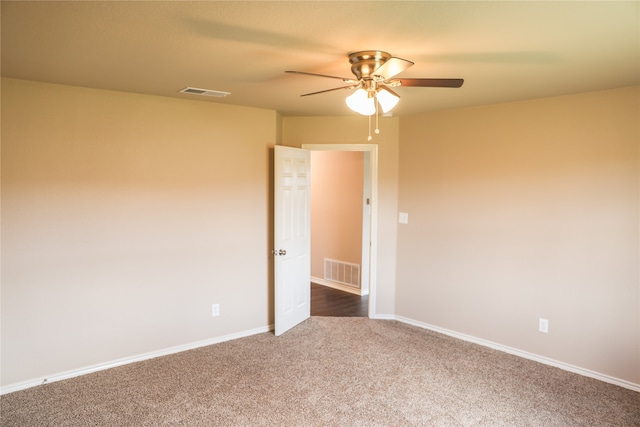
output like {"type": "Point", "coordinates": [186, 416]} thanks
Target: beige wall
{"type": "Point", "coordinates": [337, 185]}
{"type": "Point", "coordinates": [124, 217]}
{"type": "Point", "coordinates": [353, 130]}
{"type": "Point", "coordinates": [527, 210]}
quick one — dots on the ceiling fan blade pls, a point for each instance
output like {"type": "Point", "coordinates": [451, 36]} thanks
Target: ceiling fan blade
{"type": "Point", "coordinates": [331, 90]}
{"type": "Point", "coordinates": [391, 67]}
{"type": "Point", "coordinates": [429, 82]}
{"type": "Point", "coordinates": [344, 79]}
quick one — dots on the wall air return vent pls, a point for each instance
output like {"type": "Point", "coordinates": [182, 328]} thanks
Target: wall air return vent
{"type": "Point", "coordinates": [342, 272]}
{"type": "Point", "coordinates": [205, 92]}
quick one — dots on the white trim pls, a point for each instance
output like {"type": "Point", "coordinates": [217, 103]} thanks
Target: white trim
{"type": "Point", "coordinates": [373, 162]}
{"type": "Point", "coordinates": [127, 360]}
{"type": "Point", "coordinates": [523, 354]}
{"type": "Point", "coordinates": [385, 317]}
{"type": "Point", "coordinates": [177, 349]}
{"type": "Point", "coordinates": [338, 286]}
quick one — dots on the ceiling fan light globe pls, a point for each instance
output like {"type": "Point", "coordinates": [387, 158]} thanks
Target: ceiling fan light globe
{"type": "Point", "coordinates": [387, 100]}
{"type": "Point", "coordinates": [360, 102]}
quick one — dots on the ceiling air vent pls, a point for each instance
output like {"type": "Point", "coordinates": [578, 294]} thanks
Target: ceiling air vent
{"type": "Point", "coordinates": [205, 92]}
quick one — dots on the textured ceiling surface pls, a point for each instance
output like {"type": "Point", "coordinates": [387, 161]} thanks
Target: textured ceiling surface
{"type": "Point", "coordinates": [505, 51]}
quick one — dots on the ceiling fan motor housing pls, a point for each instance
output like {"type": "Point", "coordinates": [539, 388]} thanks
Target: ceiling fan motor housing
{"type": "Point", "coordinates": [366, 61]}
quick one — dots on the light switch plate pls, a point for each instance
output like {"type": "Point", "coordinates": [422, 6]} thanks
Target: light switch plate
{"type": "Point", "coordinates": [403, 218]}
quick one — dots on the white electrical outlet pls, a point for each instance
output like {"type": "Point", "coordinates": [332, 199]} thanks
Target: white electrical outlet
{"type": "Point", "coordinates": [215, 310]}
{"type": "Point", "coordinates": [543, 325]}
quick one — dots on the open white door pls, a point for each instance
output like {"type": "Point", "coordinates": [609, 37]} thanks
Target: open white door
{"type": "Point", "coordinates": [292, 237]}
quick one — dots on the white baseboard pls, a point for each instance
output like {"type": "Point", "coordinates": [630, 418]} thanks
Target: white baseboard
{"type": "Point", "coordinates": [338, 286]}
{"type": "Point", "coordinates": [125, 361]}
{"type": "Point", "coordinates": [119, 362]}
{"type": "Point", "coordinates": [523, 354]}
{"type": "Point", "coordinates": [384, 317]}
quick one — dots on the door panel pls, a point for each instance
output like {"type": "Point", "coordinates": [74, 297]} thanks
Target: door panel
{"type": "Point", "coordinates": [292, 237]}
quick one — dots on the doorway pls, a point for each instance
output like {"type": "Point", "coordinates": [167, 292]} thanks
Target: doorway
{"type": "Point", "coordinates": [341, 297]}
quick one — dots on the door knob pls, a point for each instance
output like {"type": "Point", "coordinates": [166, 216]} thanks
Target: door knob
{"type": "Point", "coordinates": [282, 252]}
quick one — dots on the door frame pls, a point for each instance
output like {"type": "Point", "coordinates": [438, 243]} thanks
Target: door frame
{"type": "Point", "coordinates": [372, 149]}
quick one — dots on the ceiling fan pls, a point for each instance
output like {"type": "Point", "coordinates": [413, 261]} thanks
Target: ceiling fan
{"type": "Point", "coordinates": [374, 72]}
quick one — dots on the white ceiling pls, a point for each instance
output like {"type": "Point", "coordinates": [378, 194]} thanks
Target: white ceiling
{"type": "Point", "coordinates": [505, 51]}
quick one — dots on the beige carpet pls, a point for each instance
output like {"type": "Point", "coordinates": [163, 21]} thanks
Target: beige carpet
{"type": "Point", "coordinates": [329, 372]}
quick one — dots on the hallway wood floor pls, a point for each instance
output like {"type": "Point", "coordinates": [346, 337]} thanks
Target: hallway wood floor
{"type": "Point", "coordinates": [326, 301]}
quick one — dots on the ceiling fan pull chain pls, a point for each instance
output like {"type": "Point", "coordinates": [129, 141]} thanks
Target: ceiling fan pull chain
{"type": "Point", "coordinates": [377, 110]}
{"type": "Point", "coordinates": [369, 138]}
